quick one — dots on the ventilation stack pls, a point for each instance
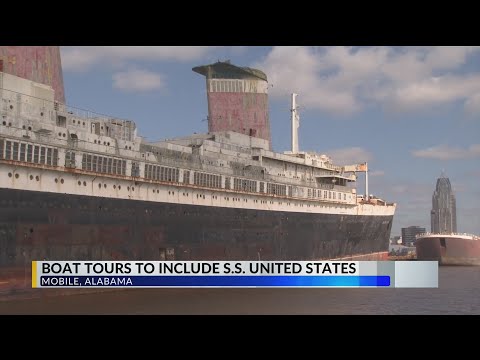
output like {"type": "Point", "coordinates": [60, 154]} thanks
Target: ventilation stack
{"type": "Point", "coordinates": [41, 64]}
{"type": "Point", "coordinates": [237, 99]}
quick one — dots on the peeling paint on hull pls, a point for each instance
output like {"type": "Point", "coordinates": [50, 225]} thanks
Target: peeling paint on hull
{"type": "Point", "coordinates": [448, 250]}
{"type": "Point", "coordinates": [38, 226]}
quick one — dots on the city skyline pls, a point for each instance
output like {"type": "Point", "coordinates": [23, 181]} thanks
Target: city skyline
{"type": "Point", "coordinates": [409, 112]}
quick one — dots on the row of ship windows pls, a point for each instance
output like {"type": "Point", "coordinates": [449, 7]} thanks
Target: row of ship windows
{"type": "Point", "coordinates": [12, 150]}
{"type": "Point", "coordinates": [101, 164]}
{"type": "Point", "coordinates": [77, 122]}
{"type": "Point", "coordinates": [326, 194]}
{"type": "Point", "coordinates": [201, 196]}
{"type": "Point", "coordinates": [161, 173]}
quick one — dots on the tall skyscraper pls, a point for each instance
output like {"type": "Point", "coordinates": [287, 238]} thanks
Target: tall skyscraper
{"type": "Point", "coordinates": [444, 209]}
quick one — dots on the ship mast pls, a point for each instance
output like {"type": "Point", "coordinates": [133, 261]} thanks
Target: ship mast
{"type": "Point", "coordinates": [295, 124]}
{"type": "Point", "coordinates": [366, 182]}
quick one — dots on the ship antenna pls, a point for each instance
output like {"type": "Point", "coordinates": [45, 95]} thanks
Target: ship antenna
{"type": "Point", "coordinates": [295, 124]}
{"type": "Point", "coordinates": [367, 197]}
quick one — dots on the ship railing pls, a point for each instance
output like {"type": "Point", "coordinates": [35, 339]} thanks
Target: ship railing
{"type": "Point", "coordinates": [305, 182]}
{"type": "Point", "coordinates": [17, 104]}
{"type": "Point", "coordinates": [88, 114]}
{"type": "Point", "coordinates": [268, 177]}
{"type": "Point", "coordinates": [333, 167]}
{"type": "Point", "coordinates": [235, 148]}
{"type": "Point", "coordinates": [446, 233]}
{"type": "Point", "coordinates": [26, 100]}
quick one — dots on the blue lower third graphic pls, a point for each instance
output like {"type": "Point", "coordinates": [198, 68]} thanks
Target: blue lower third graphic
{"type": "Point", "coordinates": [215, 281]}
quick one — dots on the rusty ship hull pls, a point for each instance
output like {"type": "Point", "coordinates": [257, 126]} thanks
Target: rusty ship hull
{"type": "Point", "coordinates": [38, 225]}
{"type": "Point", "coordinates": [449, 249]}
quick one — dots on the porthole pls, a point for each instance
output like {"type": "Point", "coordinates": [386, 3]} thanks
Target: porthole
{"type": "Point", "coordinates": [79, 183]}
{"type": "Point", "coordinates": [61, 180]}
{"type": "Point", "coordinates": [10, 175]}
{"type": "Point", "coordinates": [31, 177]}
{"type": "Point", "coordinates": [37, 178]}
{"type": "Point", "coordinates": [17, 176]}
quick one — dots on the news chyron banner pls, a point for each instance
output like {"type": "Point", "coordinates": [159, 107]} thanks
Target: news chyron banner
{"type": "Point", "coordinates": [234, 274]}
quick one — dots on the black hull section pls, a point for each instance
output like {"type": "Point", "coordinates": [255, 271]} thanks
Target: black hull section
{"type": "Point", "coordinates": [38, 226]}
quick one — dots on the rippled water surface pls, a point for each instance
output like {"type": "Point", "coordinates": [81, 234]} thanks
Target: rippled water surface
{"type": "Point", "coordinates": [458, 293]}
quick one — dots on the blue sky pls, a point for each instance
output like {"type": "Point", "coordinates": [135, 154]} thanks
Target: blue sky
{"type": "Point", "coordinates": [411, 112]}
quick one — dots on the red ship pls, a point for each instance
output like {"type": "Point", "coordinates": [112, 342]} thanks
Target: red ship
{"type": "Point", "coordinates": [449, 248]}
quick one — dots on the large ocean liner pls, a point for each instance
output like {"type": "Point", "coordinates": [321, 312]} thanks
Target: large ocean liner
{"type": "Point", "coordinates": [76, 185]}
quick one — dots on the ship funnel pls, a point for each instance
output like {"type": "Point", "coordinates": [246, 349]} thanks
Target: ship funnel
{"type": "Point", "coordinates": [41, 64]}
{"type": "Point", "coordinates": [295, 124]}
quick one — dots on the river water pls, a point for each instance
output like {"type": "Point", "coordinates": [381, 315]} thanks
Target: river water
{"type": "Point", "coordinates": [458, 293]}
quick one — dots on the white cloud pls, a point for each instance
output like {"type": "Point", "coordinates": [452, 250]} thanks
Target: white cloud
{"type": "Point", "coordinates": [343, 80]}
{"type": "Point", "coordinates": [138, 80]}
{"type": "Point", "coordinates": [445, 152]}
{"type": "Point", "coordinates": [436, 90]}
{"type": "Point", "coordinates": [81, 58]}
{"type": "Point", "coordinates": [351, 155]}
